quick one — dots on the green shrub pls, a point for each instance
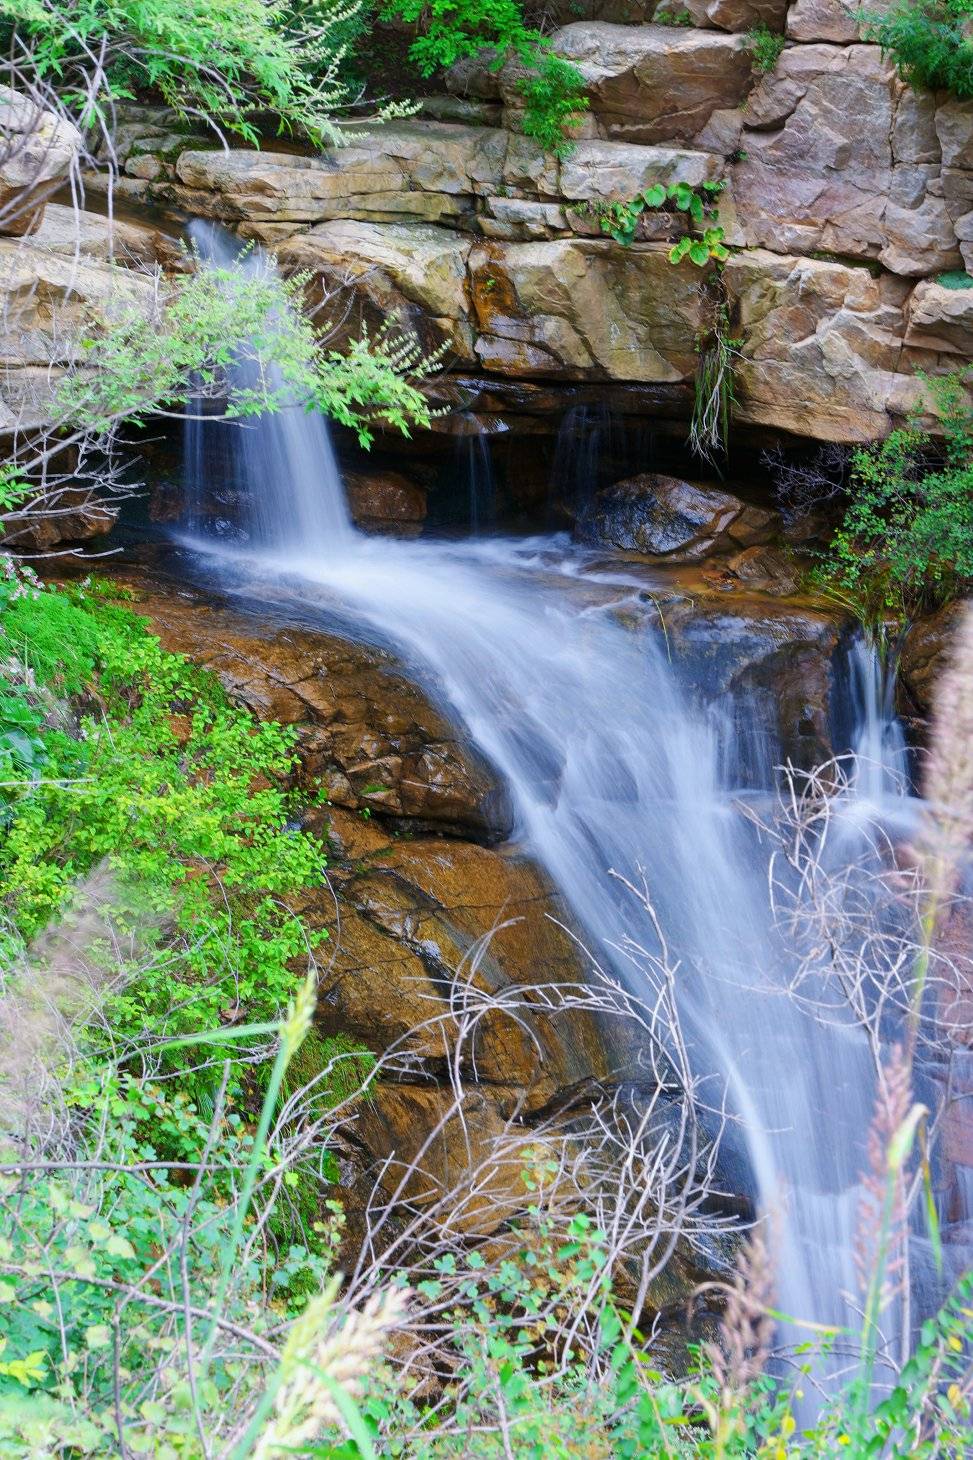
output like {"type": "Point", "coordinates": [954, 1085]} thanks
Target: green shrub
{"type": "Point", "coordinates": [620, 220]}
{"type": "Point", "coordinates": [930, 43]}
{"type": "Point", "coordinates": [180, 794]}
{"type": "Point", "coordinates": [765, 47]}
{"type": "Point", "coordinates": [208, 59]}
{"type": "Point", "coordinates": [906, 541]}
{"type": "Point", "coordinates": [451, 30]}
{"type": "Point", "coordinates": [159, 358]}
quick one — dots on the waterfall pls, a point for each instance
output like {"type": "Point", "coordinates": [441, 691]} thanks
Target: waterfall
{"type": "Point", "coordinates": [578, 707]}
{"type": "Point", "coordinates": [282, 466]}
{"type": "Point", "coordinates": [474, 469]}
{"type": "Point", "coordinates": [881, 755]}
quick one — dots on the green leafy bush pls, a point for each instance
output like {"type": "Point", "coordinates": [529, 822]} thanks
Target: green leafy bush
{"type": "Point", "coordinates": [930, 43]}
{"type": "Point", "coordinates": [207, 323]}
{"type": "Point", "coordinates": [665, 16]}
{"type": "Point", "coordinates": [211, 59]}
{"type": "Point", "coordinates": [765, 47]}
{"type": "Point", "coordinates": [906, 541]}
{"type": "Point", "coordinates": [451, 30]}
{"type": "Point", "coordinates": [180, 794]}
{"type": "Point", "coordinates": [620, 220]}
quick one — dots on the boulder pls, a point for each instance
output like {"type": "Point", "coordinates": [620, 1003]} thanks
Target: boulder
{"type": "Point", "coordinates": [605, 171]}
{"type": "Point", "coordinates": [765, 568]}
{"type": "Point", "coordinates": [72, 232]}
{"type": "Point", "coordinates": [827, 20]}
{"type": "Point", "coordinates": [655, 83]}
{"type": "Point", "coordinates": [736, 15]}
{"type": "Point", "coordinates": [49, 301]}
{"type": "Point", "coordinates": [776, 657]}
{"type": "Point", "coordinates": [941, 319]}
{"type": "Point", "coordinates": [38, 149]}
{"type": "Point", "coordinates": [821, 353]}
{"type": "Point", "coordinates": [423, 170]}
{"type": "Point", "coordinates": [79, 516]}
{"type": "Point", "coordinates": [385, 502]}
{"type": "Point", "coordinates": [409, 272]}
{"type": "Point", "coordinates": [954, 129]}
{"type": "Point", "coordinates": [427, 929]}
{"type": "Point", "coordinates": [666, 517]}
{"type": "Point", "coordinates": [583, 308]}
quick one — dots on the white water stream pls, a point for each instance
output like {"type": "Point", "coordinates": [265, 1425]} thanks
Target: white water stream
{"type": "Point", "coordinates": [609, 766]}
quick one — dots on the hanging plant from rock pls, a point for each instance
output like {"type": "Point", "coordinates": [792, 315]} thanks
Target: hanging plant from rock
{"type": "Point", "coordinates": [620, 220]}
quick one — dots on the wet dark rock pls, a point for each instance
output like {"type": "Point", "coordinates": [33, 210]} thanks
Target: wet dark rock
{"type": "Point", "coordinates": [772, 660]}
{"type": "Point", "coordinates": [664, 516]}
{"type": "Point", "coordinates": [925, 654]}
{"type": "Point", "coordinates": [765, 568]}
{"type": "Point", "coordinates": [385, 502]}
{"type": "Point", "coordinates": [366, 734]}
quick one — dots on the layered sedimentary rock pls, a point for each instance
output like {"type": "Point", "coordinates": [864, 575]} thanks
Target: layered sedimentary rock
{"type": "Point", "coordinates": [37, 152]}
{"type": "Point", "coordinates": [846, 197]}
{"type": "Point", "coordinates": [847, 201]}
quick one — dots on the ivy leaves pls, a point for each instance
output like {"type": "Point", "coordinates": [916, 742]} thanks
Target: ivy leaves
{"type": "Point", "coordinates": [700, 250]}
{"type": "Point", "coordinates": [621, 220]}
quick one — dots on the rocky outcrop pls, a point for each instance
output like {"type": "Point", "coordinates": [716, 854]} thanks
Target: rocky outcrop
{"type": "Point", "coordinates": [650, 83]}
{"type": "Point", "coordinates": [822, 346]}
{"type": "Point", "coordinates": [822, 343]}
{"type": "Point", "coordinates": [37, 151]}
{"type": "Point", "coordinates": [940, 318]}
{"type": "Point", "coordinates": [50, 299]}
{"type": "Point", "coordinates": [492, 249]}
{"type": "Point", "coordinates": [841, 156]}
{"type": "Point", "coordinates": [674, 520]}
{"type": "Point", "coordinates": [847, 195]}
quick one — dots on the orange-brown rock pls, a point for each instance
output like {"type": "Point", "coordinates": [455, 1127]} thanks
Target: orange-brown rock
{"type": "Point", "coordinates": [385, 502]}
{"type": "Point", "coordinates": [925, 653]}
{"type": "Point", "coordinates": [366, 735]}
{"type": "Point", "coordinates": [474, 941]}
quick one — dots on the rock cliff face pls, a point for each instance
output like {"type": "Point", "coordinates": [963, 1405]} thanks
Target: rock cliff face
{"type": "Point", "coordinates": [847, 196]}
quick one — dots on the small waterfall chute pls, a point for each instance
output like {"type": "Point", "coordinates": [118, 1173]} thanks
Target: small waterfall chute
{"type": "Point", "coordinates": [257, 454]}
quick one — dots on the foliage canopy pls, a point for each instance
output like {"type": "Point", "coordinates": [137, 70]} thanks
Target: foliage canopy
{"type": "Point", "coordinates": [221, 62]}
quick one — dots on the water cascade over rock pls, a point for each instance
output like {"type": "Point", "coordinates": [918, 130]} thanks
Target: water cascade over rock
{"type": "Point", "coordinates": [558, 671]}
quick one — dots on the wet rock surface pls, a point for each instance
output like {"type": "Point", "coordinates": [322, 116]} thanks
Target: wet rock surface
{"type": "Point", "coordinates": [925, 654]}
{"type": "Point", "coordinates": [385, 502]}
{"type": "Point", "coordinates": [666, 517]}
{"type": "Point", "coordinates": [446, 949]}
{"type": "Point", "coordinates": [367, 736]}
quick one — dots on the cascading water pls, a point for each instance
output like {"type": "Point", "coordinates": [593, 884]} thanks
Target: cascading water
{"type": "Point", "coordinates": [474, 468]}
{"type": "Point", "coordinates": [609, 767]}
{"type": "Point", "coordinates": [272, 460]}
